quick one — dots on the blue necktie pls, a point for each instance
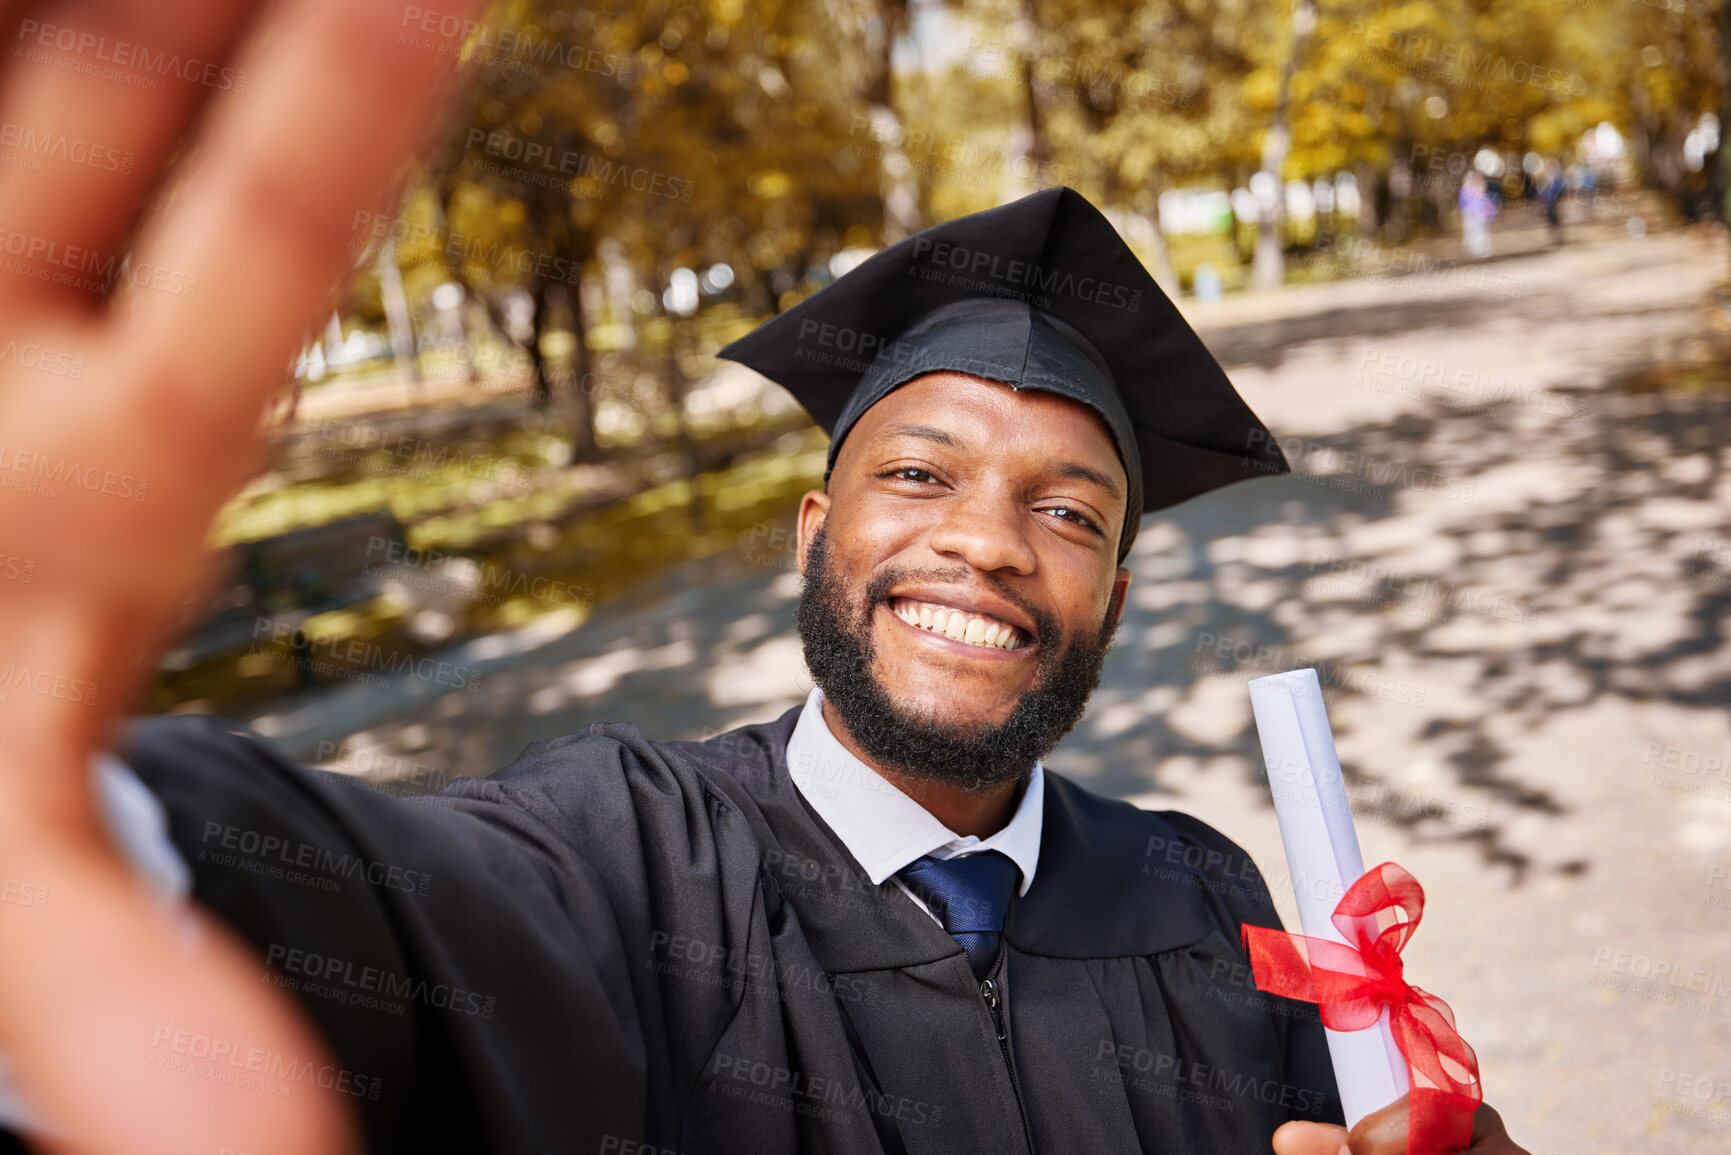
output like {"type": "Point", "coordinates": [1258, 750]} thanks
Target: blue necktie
{"type": "Point", "coordinates": [970, 895]}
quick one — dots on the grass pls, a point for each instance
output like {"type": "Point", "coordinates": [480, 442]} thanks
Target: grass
{"type": "Point", "coordinates": [511, 556]}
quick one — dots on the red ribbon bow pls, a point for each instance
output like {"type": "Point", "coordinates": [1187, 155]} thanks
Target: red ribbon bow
{"type": "Point", "coordinates": [1351, 985]}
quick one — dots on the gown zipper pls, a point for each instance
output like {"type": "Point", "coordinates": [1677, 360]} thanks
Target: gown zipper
{"type": "Point", "coordinates": [989, 991]}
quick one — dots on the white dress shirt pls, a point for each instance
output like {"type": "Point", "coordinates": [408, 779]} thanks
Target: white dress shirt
{"type": "Point", "coordinates": [883, 828]}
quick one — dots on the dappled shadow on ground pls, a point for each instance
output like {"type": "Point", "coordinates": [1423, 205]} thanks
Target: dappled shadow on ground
{"type": "Point", "coordinates": [1460, 577]}
{"type": "Point", "coordinates": [1519, 565]}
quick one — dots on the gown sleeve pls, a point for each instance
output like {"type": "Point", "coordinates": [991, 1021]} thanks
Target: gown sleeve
{"type": "Point", "coordinates": [461, 960]}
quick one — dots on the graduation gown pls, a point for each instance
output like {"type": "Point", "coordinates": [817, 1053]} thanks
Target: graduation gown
{"type": "Point", "coordinates": [619, 945]}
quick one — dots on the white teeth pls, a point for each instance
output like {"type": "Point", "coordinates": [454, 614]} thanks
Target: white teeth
{"type": "Point", "coordinates": [973, 629]}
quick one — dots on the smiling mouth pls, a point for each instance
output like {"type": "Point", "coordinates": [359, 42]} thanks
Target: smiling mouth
{"type": "Point", "coordinates": [965, 626]}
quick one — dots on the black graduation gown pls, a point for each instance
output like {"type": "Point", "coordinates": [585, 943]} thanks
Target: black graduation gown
{"type": "Point", "coordinates": [617, 945]}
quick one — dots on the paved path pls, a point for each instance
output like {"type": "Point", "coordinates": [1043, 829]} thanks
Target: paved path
{"type": "Point", "coordinates": [1515, 576]}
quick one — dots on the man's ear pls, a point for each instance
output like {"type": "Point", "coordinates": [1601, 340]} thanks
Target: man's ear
{"type": "Point", "coordinates": [1120, 590]}
{"type": "Point", "coordinates": [813, 509]}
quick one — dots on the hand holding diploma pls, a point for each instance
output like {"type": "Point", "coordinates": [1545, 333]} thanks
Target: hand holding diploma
{"type": "Point", "coordinates": [1381, 1030]}
{"type": "Point", "coordinates": [1384, 1132]}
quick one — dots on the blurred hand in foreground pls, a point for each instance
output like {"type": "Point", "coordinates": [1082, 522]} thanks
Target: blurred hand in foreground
{"type": "Point", "coordinates": [124, 425]}
{"type": "Point", "coordinates": [1384, 1133]}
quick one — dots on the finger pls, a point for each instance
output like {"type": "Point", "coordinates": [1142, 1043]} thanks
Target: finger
{"type": "Point", "coordinates": [1382, 1132]}
{"type": "Point", "coordinates": [1489, 1133]}
{"type": "Point", "coordinates": [97, 95]}
{"type": "Point", "coordinates": [251, 248]}
{"type": "Point", "coordinates": [1305, 1138]}
{"type": "Point", "coordinates": [106, 1012]}
{"type": "Point", "coordinates": [10, 12]}
{"type": "Point", "coordinates": [238, 269]}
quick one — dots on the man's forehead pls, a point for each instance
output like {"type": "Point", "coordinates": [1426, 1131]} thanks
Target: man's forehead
{"type": "Point", "coordinates": [944, 409]}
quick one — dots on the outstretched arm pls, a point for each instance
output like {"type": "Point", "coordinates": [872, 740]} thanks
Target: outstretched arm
{"type": "Point", "coordinates": [109, 480]}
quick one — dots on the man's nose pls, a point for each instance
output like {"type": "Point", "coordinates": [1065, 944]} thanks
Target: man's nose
{"type": "Point", "coordinates": [988, 530]}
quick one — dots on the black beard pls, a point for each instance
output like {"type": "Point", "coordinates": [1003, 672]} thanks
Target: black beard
{"type": "Point", "coordinates": [835, 626]}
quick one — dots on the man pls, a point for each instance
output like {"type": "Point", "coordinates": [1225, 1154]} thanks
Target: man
{"type": "Point", "coordinates": [875, 924]}
{"type": "Point", "coordinates": [1552, 188]}
{"type": "Point", "coordinates": [1477, 211]}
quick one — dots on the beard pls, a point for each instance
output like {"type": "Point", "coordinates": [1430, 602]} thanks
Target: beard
{"type": "Point", "coordinates": [835, 628]}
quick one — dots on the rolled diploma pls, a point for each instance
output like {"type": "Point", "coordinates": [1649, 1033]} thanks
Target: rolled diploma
{"type": "Point", "coordinates": [1322, 860]}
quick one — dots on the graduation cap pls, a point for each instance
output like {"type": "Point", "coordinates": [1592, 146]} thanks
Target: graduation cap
{"type": "Point", "coordinates": [1041, 293]}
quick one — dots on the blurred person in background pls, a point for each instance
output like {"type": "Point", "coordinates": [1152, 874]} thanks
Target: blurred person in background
{"type": "Point", "coordinates": [1476, 214]}
{"type": "Point", "coordinates": [1552, 187]}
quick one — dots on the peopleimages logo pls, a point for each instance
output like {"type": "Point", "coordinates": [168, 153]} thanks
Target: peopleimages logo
{"type": "Point", "coordinates": [518, 49]}
{"type": "Point", "coordinates": [256, 848]}
{"type": "Point", "coordinates": [23, 894]}
{"type": "Point", "coordinates": [88, 269]}
{"type": "Point", "coordinates": [796, 1092]}
{"type": "Point", "coordinates": [982, 270]}
{"type": "Point", "coordinates": [1169, 1072]}
{"type": "Point", "coordinates": [377, 981]}
{"type": "Point", "coordinates": [125, 55]}
{"type": "Point", "coordinates": [42, 358]}
{"type": "Point", "coordinates": [460, 248]}
{"type": "Point", "coordinates": [59, 146]}
{"type": "Point", "coordinates": [49, 685]}
{"type": "Point", "coordinates": [571, 164]}
{"type": "Point", "coordinates": [354, 656]}
{"type": "Point", "coordinates": [224, 1061]}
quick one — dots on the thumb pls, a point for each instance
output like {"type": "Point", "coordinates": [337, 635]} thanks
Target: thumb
{"type": "Point", "coordinates": [1303, 1138]}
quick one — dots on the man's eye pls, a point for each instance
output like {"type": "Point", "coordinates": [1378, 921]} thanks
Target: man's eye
{"type": "Point", "coordinates": [910, 473]}
{"type": "Point", "coordinates": [1074, 517]}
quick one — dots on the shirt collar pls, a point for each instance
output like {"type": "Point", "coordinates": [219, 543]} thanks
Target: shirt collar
{"type": "Point", "coordinates": [883, 828]}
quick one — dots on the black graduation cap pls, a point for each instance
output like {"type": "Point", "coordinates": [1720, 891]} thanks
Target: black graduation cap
{"type": "Point", "coordinates": [1041, 293]}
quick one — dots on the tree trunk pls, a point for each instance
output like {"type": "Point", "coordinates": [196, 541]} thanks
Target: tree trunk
{"type": "Point", "coordinates": [1367, 179]}
{"type": "Point", "coordinates": [465, 336]}
{"type": "Point", "coordinates": [401, 325]}
{"type": "Point", "coordinates": [581, 402]}
{"type": "Point", "coordinates": [1164, 275]}
{"type": "Point", "coordinates": [1444, 202]}
{"type": "Point", "coordinates": [1270, 266]}
{"type": "Point", "coordinates": [620, 282]}
{"type": "Point", "coordinates": [1719, 164]}
{"type": "Point", "coordinates": [1399, 188]}
{"type": "Point", "coordinates": [465, 313]}
{"type": "Point", "coordinates": [677, 387]}
{"type": "Point", "coordinates": [543, 387]}
{"type": "Point", "coordinates": [1029, 150]}
{"type": "Point", "coordinates": [1646, 128]}
{"type": "Point", "coordinates": [759, 301]}
{"type": "Point", "coordinates": [333, 341]}
{"type": "Point", "coordinates": [897, 184]}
